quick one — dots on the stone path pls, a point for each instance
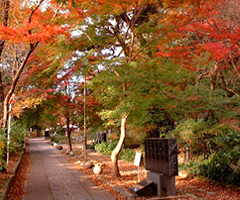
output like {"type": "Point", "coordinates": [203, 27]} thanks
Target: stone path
{"type": "Point", "coordinates": [52, 177]}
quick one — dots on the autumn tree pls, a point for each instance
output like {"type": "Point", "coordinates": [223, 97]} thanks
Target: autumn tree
{"type": "Point", "coordinates": [21, 32]}
{"type": "Point", "coordinates": [55, 77]}
{"type": "Point", "coordinates": [125, 36]}
{"type": "Point", "coordinates": [67, 103]}
{"type": "Point", "coordinates": [207, 43]}
{"type": "Point", "coordinates": [148, 53]}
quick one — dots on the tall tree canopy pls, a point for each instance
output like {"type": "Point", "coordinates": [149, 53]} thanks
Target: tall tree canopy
{"type": "Point", "coordinates": [129, 39]}
{"type": "Point", "coordinates": [150, 62]}
{"type": "Point", "coordinates": [21, 31]}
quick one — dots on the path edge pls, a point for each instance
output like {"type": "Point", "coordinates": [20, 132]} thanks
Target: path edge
{"type": "Point", "coordinates": [7, 186]}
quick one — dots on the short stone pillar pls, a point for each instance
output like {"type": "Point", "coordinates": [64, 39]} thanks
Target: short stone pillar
{"type": "Point", "coordinates": [59, 147]}
{"type": "Point", "coordinates": [165, 185]}
{"type": "Point", "coordinates": [97, 169]}
{"type": "Point", "coordinates": [88, 164]}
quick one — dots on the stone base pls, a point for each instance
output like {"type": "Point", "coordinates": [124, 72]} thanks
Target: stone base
{"type": "Point", "coordinates": [165, 185]}
{"type": "Point", "coordinates": [144, 188]}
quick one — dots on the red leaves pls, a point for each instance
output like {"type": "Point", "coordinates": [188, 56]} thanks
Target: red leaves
{"type": "Point", "coordinates": [206, 33]}
{"type": "Point", "coordinates": [163, 54]}
{"type": "Point", "coordinates": [47, 33]}
{"type": "Point", "coordinates": [44, 33]}
{"type": "Point", "coordinates": [172, 106]}
{"type": "Point", "coordinates": [30, 24]}
{"type": "Point", "coordinates": [218, 50]}
{"type": "Point", "coordinates": [193, 98]}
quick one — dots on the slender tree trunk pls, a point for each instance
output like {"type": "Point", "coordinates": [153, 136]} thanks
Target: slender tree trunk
{"type": "Point", "coordinates": [1, 46]}
{"type": "Point", "coordinates": [69, 134]}
{"type": "Point", "coordinates": [14, 83]}
{"type": "Point", "coordinates": [85, 121]}
{"type": "Point", "coordinates": [11, 91]}
{"type": "Point", "coordinates": [116, 151]}
{"type": "Point", "coordinates": [1, 95]}
{"type": "Point", "coordinates": [39, 132]}
{"type": "Point", "coordinates": [6, 5]}
{"type": "Point", "coordinates": [213, 75]}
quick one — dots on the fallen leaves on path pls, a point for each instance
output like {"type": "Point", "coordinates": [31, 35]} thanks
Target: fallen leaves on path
{"type": "Point", "coordinates": [13, 159]}
{"type": "Point", "coordinates": [197, 188]}
{"type": "Point", "coordinates": [16, 191]}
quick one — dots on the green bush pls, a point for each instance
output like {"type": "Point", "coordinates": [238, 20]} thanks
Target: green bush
{"type": "Point", "coordinates": [59, 139]}
{"type": "Point", "coordinates": [102, 148]}
{"type": "Point", "coordinates": [214, 149]}
{"type": "Point", "coordinates": [60, 130]}
{"type": "Point", "coordinates": [107, 148]}
{"type": "Point", "coordinates": [112, 145]}
{"type": "Point", "coordinates": [127, 155]}
{"type": "Point", "coordinates": [18, 134]}
{"type": "Point", "coordinates": [224, 165]}
{"type": "Point", "coordinates": [199, 136]}
{"type": "Point", "coordinates": [91, 146]}
{"type": "Point", "coordinates": [2, 144]}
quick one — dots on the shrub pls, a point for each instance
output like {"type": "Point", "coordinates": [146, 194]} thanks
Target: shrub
{"type": "Point", "coordinates": [107, 148]}
{"type": "Point", "coordinates": [2, 142]}
{"type": "Point", "coordinates": [215, 149]}
{"type": "Point", "coordinates": [102, 148]}
{"type": "Point", "coordinates": [199, 136]}
{"type": "Point", "coordinates": [18, 134]}
{"type": "Point", "coordinates": [112, 145]}
{"type": "Point", "coordinates": [60, 130]}
{"type": "Point", "coordinates": [127, 155]}
{"type": "Point", "coordinates": [91, 146]}
{"type": "Point", "coordinates": [59, 139]}
{"type": "Point", "coordinates": [224, 165]}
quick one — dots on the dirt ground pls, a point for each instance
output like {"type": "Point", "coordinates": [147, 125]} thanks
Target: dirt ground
{"type": "Point", "coordinates": [198, 188]}
{"type": "Point", "coordinates": [11, 167]}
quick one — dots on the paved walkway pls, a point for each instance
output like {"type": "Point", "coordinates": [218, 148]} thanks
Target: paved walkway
{"type": "Point", "coordinates": [52, 177]}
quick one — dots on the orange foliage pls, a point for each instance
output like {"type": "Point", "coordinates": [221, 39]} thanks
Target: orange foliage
{"type": "Point", "coordinates": [208, 26]}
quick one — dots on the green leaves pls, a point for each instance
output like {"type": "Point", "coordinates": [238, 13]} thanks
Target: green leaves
{"type": "Point", "coordinates": [224, 165]}
{"type": "Point", "coordinates": [65, 2]}
{"type": "Point", "coordinates": [73, 4]}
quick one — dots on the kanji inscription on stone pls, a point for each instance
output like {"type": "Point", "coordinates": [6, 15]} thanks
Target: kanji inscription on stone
{"type": "Point", "coordinates": [161, 155]}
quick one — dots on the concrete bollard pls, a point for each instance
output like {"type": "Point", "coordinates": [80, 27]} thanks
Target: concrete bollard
{"type": "Point", "coordinates": [88, 164]}
{"type": "Point", "coordinates": [97, 169]}
{"type": "Point", "coordinates": [57, 146]}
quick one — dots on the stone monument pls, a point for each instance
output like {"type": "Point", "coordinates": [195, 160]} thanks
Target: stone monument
{"type": "Point", "coordinates": [162, 165]}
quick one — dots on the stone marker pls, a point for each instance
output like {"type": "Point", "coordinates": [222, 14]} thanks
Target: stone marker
{"type": "Point", "coordinates": [88, 164]}
{"type": "Point", "coordinates": [161, 163]}
{"type": "Point", "coordinates": [67, 152]}
{"type": "Point", "coordinates": [57, 146]}
{"type": "Point", "coordinates": [161, 156]}
{"type": "Point", "coordinates": [97, 169]}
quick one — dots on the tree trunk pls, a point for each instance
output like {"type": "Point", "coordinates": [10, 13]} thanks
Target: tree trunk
{"type": "Point", "coordinates": [39, 132]}
{"type": "Point", "coordinates": [14, 83]}
{"type": "Point", "coordinates": [213, 75]}
{"type": "Point", "coordinates": [4, 113]}
{"type": "Point", "coordinates": [69, 130]}
{"type": "Point", "coordinates": [6, 5]}
{"type": "Point", "coordinates": [1, 95]}
{"type": "Point", "coordinates": [116, 151]}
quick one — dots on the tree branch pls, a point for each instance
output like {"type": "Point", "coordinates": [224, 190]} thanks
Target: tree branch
{"type": "Point", "coordinates": [98, 50]}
